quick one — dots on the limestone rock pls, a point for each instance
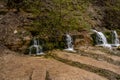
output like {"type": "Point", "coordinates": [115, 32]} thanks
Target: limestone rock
{"type": "Point", "coordinates": [12, 35]}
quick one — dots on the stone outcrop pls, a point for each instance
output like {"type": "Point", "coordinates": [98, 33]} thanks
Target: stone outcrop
{"type": "Point", "coordinates": [12, 34]}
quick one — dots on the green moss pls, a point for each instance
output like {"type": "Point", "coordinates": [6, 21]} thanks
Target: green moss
{"type": "Point", "coordinates": [93, 39]}
{"type": "Point", "coordinates": [108, 36]}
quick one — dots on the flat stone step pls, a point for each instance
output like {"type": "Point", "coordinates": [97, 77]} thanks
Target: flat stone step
{"type": "Point", "coordinates": [88, 61]}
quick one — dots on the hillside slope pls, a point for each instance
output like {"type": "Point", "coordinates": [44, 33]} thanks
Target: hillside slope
{"type": "Point", "coordinates": [51, 19]}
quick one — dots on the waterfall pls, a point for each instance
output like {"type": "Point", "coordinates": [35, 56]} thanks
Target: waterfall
{"type": "Point", "coordinates": [69, 42]}
{"type": "Point", "coordinates": [115, 40]}
{"type": "Point", "coordinates": [36, 46]}
{"type": "Point", "coordinates": [101, 39]}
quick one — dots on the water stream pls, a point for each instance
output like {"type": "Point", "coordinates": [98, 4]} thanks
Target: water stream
{"type": "Point", "coordinates": [35, 47]}
{"type": "Point", "coordinates": [69, 42]}
{"type": "Point", "coordinates": [101, 40]}
{"type": "Point", "coordinates": [115, 40]}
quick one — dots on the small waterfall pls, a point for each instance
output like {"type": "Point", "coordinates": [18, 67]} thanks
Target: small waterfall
{"type": "Point", "coordinates": [101, 39]}
{"type": "Point", "coordinates": [115, 40]}
{"type": "Point", "coordinates": [69, 42]}
{"type": "Point", "coordinates": [36, 46]}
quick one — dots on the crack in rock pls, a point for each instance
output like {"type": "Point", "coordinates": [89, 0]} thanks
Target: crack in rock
{"type": "Point", "coordinates": [31, 74]}
{"type": "Point", "coordinates": [47, 76]}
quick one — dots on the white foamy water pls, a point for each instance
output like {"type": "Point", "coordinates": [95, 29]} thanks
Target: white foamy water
{"type": "Point", "coordinates": [69, 41]}
{"type": "Point", "coordinates": [115, 40]}
{"type": "Point", "coordinates": [101, 40]}
{"type": "Point", "coordinates": [36, 45]}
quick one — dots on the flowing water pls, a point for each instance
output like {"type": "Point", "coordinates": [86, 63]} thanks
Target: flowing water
{"type": "Point", "coordinates": [101, 39]}
{"type": "Point", "coordinates": [115, 40]}
{"type": "Point", "coordinates": [35, 47]}
{"type": "Point", "coordinates": [69, 42]}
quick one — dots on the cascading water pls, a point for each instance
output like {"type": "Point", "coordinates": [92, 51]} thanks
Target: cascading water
{"type": "Point", "coordinates": [36, 46]}
{"type": "Point", "coordinates": [69, 42]}
{"type": "Point", "coordinates": [101, 39]}
{"type": "Point", "coordinates": [115, 40]}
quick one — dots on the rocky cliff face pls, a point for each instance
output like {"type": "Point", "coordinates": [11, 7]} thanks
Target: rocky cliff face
{"type": "Point", "coordinates": [12, 34]}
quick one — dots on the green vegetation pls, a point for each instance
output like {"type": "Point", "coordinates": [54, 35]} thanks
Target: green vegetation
{"type": "Point", "coordinates": [62, 16]}
{"type": "Point", "coordinates": [53, 18]}
{"type": "Point", "coordinates": [113, 14]}
{"type": "Point", "coordinates": [66, 15]}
